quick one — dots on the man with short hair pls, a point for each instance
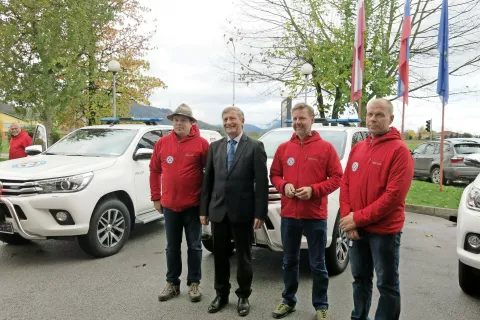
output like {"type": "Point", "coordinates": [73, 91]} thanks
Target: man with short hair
{"type": "Point", "coordinates": [176, 176]}
{"type": "Point", "coordinates": [18, 142]}
{"type": "Point", "coordinates": [235, 200]}
{"type": "Point", "coordinates": [372, 203]}
{"type": "Point", "coordinates": [305, 170]}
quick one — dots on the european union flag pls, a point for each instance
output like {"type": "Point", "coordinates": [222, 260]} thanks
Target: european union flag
{"type": "Point", "coordinates": [442, 46]}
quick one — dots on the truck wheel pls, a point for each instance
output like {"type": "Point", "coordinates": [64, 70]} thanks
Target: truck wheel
{"type": "Point", "coordinates": [13, 239]}
{"type": "Point", "coordinates": [208, 244]}
{"type": "Point", "coordinates": [468, 280]}
{"type": "Point", "coordinates": [109, 229]}
{"type": "Point", "coordinates": [336, 256]}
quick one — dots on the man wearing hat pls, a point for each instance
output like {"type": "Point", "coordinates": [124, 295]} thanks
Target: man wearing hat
{"type": "Point", "coordinates": [176, 177]}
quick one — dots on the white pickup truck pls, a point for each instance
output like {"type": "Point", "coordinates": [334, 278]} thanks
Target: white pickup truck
{"type": "Point", "coordinates": [93, 184]}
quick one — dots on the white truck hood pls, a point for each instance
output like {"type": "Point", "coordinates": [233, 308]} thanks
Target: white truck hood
{"type": "Point", "coordinates": [51, 166]}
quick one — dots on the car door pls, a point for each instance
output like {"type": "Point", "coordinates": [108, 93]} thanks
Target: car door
{"type": "Point", "coordinates": [141, 171]}
{"type": "Point", "coordinates": [428, 157]}
{"type": "Point", "coordinates": [417, 155]}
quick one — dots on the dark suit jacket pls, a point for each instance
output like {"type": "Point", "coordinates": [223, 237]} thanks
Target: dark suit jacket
{"type": "Point", "coordinates": [241, 193]}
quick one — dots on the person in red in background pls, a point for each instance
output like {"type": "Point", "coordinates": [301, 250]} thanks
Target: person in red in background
{"type": "Point", "coordinates": [176, 178]}
{"type": "Point", "coordinates": [372, 203]}
{"type": "Point", "coordinates": [305, 170]}
{"type": "Point", "coordinates": [19, 141]}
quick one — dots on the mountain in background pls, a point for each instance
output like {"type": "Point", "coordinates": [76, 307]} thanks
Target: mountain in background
{"type": "Point", "coordinates": [139, 111]}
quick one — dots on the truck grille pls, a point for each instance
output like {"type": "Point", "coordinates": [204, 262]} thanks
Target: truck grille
{"type": "Point", "coordinates": [18, 188]}
{"type": "Point", "coordinates": [273, 195]}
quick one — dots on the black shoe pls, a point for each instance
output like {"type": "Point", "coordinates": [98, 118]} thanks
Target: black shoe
{"type": "Point", "coordinates": [217, 304]}
{"type": "Point", "coordinates": [243, 307]}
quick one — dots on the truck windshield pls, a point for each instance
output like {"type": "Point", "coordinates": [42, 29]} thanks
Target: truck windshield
{"type": "Point", "coordinates": [273, 139]}
{"type": "Point", "coordinates": [94, 143]}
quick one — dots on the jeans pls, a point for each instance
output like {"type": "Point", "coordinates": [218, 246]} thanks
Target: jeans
{"type": "Point", "coordinates": [382, 253]}
{"type": "Point", "coordinates": [316, 233]}
{"type": "Point", "coordinates": [175, 222]}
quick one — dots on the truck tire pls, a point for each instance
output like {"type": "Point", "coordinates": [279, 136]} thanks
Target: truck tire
{"type": "Point", "coordinates": [13, 239]}
{"type": "Point", "coordinates": [336, 256]}
{"type": "Point", "coordinates": [208, 244]}
{"type": "Point", "coordinates": [468, 279]}
{"type": "Point", "coordinates": [109, 229]}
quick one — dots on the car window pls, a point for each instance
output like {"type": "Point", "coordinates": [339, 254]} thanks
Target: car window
{"type": "Point", "coordinates": [430, 149]}
{"type": "Point", "coordinates": [357, 137]}
{"type": "Point", "coordinates": [149, 139]}
{"type": "Point", "coordinates": [273, 139]}
{"type": "Point", "coordinates": [467, 148]}
{"type": "Point", "coordinates": [420, 149]}
{"type": "Point", "coordinates": [446, 148]}
{"type": "Point", "coordinates": [98, 142]}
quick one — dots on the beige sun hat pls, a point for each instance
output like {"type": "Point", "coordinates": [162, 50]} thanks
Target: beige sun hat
{"type": "Point", "coordinates": [182, 110]}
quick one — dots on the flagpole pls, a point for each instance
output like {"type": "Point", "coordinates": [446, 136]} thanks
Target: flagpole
{"type": "Point", "coordinates": [441, 147]}
{"type": "Point", "coordinates": [360, 111]}
{"type": "Point", "coordinates": [403, 119]}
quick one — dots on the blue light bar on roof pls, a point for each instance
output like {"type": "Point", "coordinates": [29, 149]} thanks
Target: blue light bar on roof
{"type": "Point", "coordinates": [288, 121]}
{"type": "Point", "coordinates": [343, 120]}
{"type": "Point", "coordinates": [131, 119]}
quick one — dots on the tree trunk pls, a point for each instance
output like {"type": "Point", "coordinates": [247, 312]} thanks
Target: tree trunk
{"type": "Point", "coordinates": [320, 105]}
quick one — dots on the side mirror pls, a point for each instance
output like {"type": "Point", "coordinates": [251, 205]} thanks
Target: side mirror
{"type": "Point", "coordinates": [33, 150]}
{"type": "Point", "coordinates": [143, 153]}
{"type": "Point", "coordinates": [472, 160]}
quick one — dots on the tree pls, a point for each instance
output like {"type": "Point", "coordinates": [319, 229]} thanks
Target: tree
{"type": "Point", "coordinates": [280, 35]}
{"type": "Point", "coordinates": [53, 57]}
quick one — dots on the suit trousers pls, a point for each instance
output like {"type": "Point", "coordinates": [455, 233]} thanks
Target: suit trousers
{"type": "Point", "coordinates": [242, 234]}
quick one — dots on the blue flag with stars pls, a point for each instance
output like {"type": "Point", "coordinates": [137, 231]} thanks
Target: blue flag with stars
{"type": "Point", "coordinates": [442, 47]}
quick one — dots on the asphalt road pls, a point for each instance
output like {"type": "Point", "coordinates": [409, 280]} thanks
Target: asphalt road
{"type": "Point", "coordinates": [56, 280]}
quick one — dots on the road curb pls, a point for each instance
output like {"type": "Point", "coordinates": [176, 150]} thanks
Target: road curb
{"type": "Point", "coordinates": [431, 211]}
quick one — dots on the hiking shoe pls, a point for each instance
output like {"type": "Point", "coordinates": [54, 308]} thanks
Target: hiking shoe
{"type": "Point", "coordinates": [322, 315]}
{"type": "Point", "coordinates": [169, 292]}
{"type": "Point", "coordinates": [194, 292]}
{"type": "Point", "coordinates": [282, 311]}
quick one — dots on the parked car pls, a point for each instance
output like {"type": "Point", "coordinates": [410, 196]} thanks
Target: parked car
{"type": "Point", "coordinates": [427, 160]}
{"type": "Point", "coordinates": [468, 233]}
{"type": "Point", "coordinates": [343, 139]}
{"type": "Point", "coordinates": [93, 184]}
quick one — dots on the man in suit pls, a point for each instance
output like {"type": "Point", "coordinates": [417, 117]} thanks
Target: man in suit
{"type": "Point", "coordinates": [235, 199]}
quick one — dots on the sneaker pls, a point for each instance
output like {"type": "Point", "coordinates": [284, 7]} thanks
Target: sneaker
{"type": "Point", "coordinates": [169, 292]}
{"type": "Point", "coordinates": [282, 311]}
{"type": "Point", "coordinates": [322, 315]}
{"type": "Point", "coordinates": [194, 292]}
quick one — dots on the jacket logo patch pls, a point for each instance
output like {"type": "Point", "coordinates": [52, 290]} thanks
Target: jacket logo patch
{"type": "Point", "coordinates": [355, 166]}
{"type": "Point", "coordinates": [170, 159]}
{"type": "Point", "coordinates": [290, 161]}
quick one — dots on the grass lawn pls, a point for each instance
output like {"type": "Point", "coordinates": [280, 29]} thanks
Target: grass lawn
{"type": "Point", "coordinates": [5, 146]}
{"type": "Point", "coordinates": [426, 194]}
{"type": "Point", "coordinates": [412, 144]}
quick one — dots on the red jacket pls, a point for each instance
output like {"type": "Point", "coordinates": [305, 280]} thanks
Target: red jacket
{"type": "Point", "coordinates": [314, 163]}
{"type": "Point", "coordinates": [176, 170]}
{"type": "Point", "coordinates": [376, 182]}
{"type": "Point", "coordinates": [18, 145]}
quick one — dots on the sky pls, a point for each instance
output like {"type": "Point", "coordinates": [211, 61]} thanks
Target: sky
{"type": "Point", "coordinates": [191, 54]}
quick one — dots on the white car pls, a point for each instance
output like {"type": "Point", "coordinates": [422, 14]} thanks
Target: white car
{"type": "Point", "coordinates": [468, 233]}
{"type": "Point", "coordinates": [343, 139]}
{"type": "Point", "coordinates": [93, 184]}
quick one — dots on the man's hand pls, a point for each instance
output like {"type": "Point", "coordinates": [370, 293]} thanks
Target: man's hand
{"type": "Point", "coordinates": [258, 224]}
{"type": "Point", "coordinates": [353, 234]}
{"type": "Point", "coordinates": [347, 223]}
{"type": "Point", "coordinates": [204, 220]}
{"type": "Point", "coordinates": [158, 206]}
{"type": "Point", "coordinates": [289, 190]}
{"type": "Point", "coordinates": [304, 193]}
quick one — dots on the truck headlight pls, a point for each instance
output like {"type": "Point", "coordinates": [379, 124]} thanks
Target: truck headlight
{"type": "Point", "coordinates": [473, 198]}
{"type": "Point", "coordinates": [65, 184]}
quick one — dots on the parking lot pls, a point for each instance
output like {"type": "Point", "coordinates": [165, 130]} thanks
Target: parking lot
{"type": "Point", "coordinates": [56, 280]}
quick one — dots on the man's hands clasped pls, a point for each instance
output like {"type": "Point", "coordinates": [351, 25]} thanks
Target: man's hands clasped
{"type": "Point", "coordinates": [303, 193]}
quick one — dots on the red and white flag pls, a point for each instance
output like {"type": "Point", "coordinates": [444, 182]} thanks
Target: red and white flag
{"type": "Point", "coordinates": [358, 53]}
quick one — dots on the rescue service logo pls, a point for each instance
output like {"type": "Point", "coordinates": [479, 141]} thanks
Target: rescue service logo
{"type": "Point", "coordinates": [354, 166]}
{"type": "Point", "coordinates": [169, 159]}
{"type": "Point", "coordinates": [290, 161]}
{"type": "Point", "coordinates": [28, 164]}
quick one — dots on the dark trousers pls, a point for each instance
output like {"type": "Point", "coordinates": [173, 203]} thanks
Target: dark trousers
{"type": "Point", "coordinates": [175, 222]}
{"type": "Point", "coordinates": [316, 233]}
{"type": "Point", "coordinates": [242, 235]}
{"type": "Point", "coordinates": [381, 253]}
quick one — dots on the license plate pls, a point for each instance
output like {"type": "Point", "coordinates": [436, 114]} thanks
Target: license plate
{"type": "Point", "coordinates": [6, 227]}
